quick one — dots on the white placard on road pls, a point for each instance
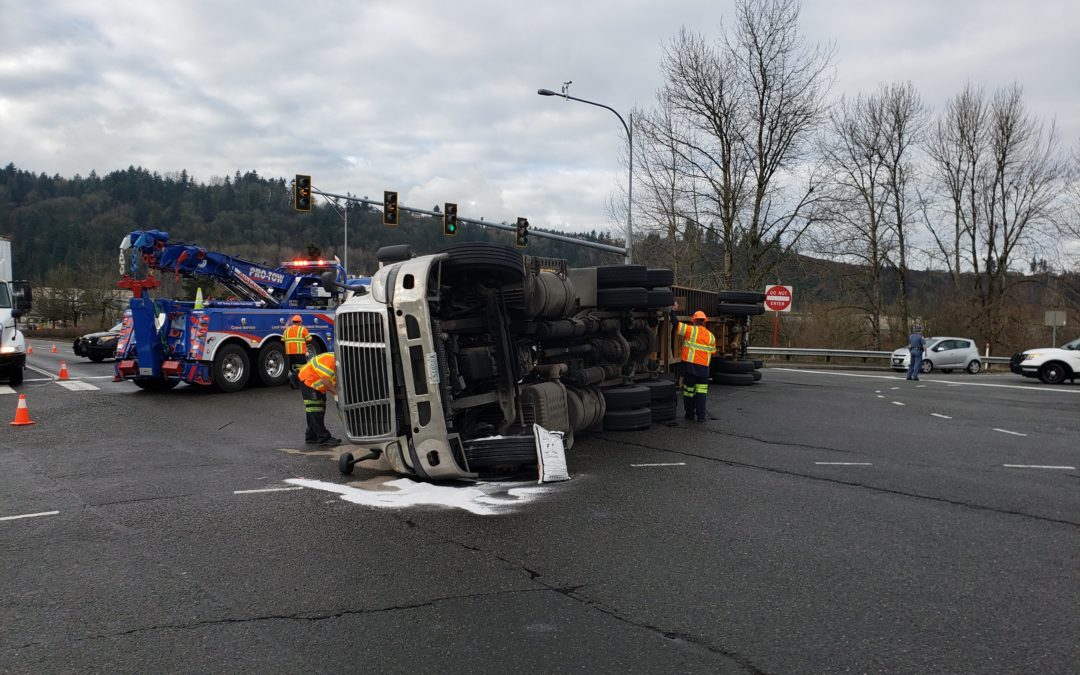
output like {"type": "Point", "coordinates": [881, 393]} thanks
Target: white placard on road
{"type": "Point", "coordinates": [778, 298]}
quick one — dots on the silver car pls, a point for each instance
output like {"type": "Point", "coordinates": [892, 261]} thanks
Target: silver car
{"type": "Point", "coordinates": [943, 353]}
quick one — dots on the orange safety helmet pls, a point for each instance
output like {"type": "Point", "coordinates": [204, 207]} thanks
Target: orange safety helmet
{"type": "Point", "coordinates": [297, 319]}
{"type": "Point", "coordinates": [699, 315]}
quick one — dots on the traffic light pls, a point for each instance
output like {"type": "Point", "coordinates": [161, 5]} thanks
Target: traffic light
{"type": "Point", "coordinates": [302, 193]}
{"type": "Point", "coordinates": [522, 239]}
{"type": "Point", "coordinates": [449, 219]}
{"type": "Point", "coordinates": [389, 208]}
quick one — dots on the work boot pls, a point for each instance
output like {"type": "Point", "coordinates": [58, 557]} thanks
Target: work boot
{"type": "Point", "coordinates": [331, 441]}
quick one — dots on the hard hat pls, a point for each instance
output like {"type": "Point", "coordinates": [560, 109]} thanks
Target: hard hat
{"type": "Point", "coordinates": [297, 319]}
{"type": "Point", "coordinates": [699, 315]}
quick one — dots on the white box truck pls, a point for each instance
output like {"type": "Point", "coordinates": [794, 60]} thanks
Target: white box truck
{"type": "Point", "coordinates": [15, 301]}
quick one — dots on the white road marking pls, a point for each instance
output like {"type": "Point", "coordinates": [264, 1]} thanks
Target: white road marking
{"type": "Point", "coordinates": [1006, 431]}
{"type": "Point", "coordinates": [919, 386]}
{"type": "Point", "coordinates": [944, 417]}
{"type": "Point", "coordinates": [5, 389]}
{"type": "Point", "coordinates": [881, 396]}
{"type": "Point", "coordinates": [1038, 466]}
{"type": "Point", "coordinates": [97, 377]}
{"type": "Point", "coordinates": [898, 403]}
{"type": "Point", "coordinates": [662, 464]}
{"type": "Point", "coordinates": [844, 463]}
{"type": "Point", "coordinates": [39, 371]}
{"type": "Point", "coordinates": [877, 391]}
{"type": "Point", "coordinates": [75, 385]}
{"type": "Point", "coordinates": [281, 489]}
{"type": "Point", "coordinates": [31, 515]}
{"type": "Point", "coordinates": [38, 379]}
{"type": "Point", "coordinates": [1050, 390]}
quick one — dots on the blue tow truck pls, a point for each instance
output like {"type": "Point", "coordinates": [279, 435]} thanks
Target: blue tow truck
{"type": "Point", "coordinates": [221, 343]}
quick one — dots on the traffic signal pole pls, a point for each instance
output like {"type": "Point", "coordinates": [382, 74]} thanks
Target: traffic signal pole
{"type": "Point", "coordinates": [608, 248]}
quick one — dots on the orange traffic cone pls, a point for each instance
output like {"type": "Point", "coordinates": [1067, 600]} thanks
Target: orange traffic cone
{"type": "Point", "coordinates": [63, 370]}
{"type": "Point", "coordinates": [29, 349]}
{"type": "Point", "coordinates": [54, 349]}
{"type": "Point", "coordinates": [22, 413]}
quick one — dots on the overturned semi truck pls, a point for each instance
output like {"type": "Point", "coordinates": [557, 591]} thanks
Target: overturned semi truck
{"type": "Point", "coordinates": [446, 361]}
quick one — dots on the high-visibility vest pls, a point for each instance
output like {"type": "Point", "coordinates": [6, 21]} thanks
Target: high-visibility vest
{"type": "Point", "coordinates": [321, 365]}
{"type": "Point", "coordinates": [296, 338]}
{"type": "Point", "coordinates": [698, 344]}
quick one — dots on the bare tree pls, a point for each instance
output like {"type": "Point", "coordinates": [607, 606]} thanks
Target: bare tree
{"type": "Point", "coordinates": [748, 105]}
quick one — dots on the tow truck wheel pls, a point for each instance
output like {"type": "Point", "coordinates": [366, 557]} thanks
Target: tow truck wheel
{"type": "Point", "coordinates": [232, 368]}
{"type": "Point", "coordinates": [273, 368]}
{"type": "Point", "coordinates": [345, 463]}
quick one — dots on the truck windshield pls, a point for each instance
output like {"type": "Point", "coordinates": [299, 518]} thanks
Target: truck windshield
{"type": "Point", "coordinates": [5, 296]}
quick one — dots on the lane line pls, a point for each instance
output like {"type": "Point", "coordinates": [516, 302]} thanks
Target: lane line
{"type": "Point", "coordinates": [662, 464]}
{"type": "Point", "coordinates": [75, 385]}
{"type": "Point", "coordinates": [881, 396]}
{"type": "Point", "coordinates": [944, 417]}
{"type": "Point", "coordinates": [1048, 389]}
{"type": "Point", "coordinates": [898, 403]}
{"type": "Point", "coordinates": [39, 371]}
{"type": "Point", "coordinates": [5, 389]}
{"type": "Point", "coordinates": [1006, 431]}
{"type": "Point", "coordinates": [281, 489]}
{"type": "Point", "coordinates": [844, 463]}
{"type": "Point", "coordinates": [1038, 466]}
{"type": "Point", "coordinates": [31, 515]}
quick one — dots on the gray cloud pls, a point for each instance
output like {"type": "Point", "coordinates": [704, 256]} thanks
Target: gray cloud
{"type": "Point", "coordinates": [437, 100]}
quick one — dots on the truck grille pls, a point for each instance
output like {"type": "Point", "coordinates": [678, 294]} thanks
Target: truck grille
{"type": "Point", "coordinates": [363, 366]}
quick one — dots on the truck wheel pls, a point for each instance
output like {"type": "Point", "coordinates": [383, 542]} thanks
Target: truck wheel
{"type": "Point", "coordinates": [656, 278]}
{"type": "Point", "coordinates": [622, 398]}
{"type": "Point", "coordinates": [614, 276]}
{"type": "Point", "coordinates": [633, 419]}
{"type": "Point", "coordinates": [273, 368]}
{"type": "Point", "coordinates": [481, 258]}
{"type": "Point", "coordinates": [1052, 373]}
{"type": "Point", "coordinates": [622, 298]}
{"type": "Point", "coordinates": [748, 297]}
{"type": "Point", "coordinates": [660, 390]}
{"type": "Point", "coordinates": [660, 297]}
{"type": "Point", "coordinates": [733, 379]}
{"type": "Point", "coordinates": [156, 385]}
{"type": "Point", "coordinates": [232, 367]}
{"type": "Point", "coordinates": [15, 375]}
{"type": "Point", "coordinates": [733, 309]}
{"type": "Point", "coordinates": [725, 366]}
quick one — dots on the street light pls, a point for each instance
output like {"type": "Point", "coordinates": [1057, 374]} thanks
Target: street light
{"type": "Point", "coordinates": [630, 183]}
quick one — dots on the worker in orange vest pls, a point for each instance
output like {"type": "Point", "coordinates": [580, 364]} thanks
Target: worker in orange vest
{"type": "Point", "coordinates": [698, 346]}
{"type": "Point", "coordinates": [296, 339]}
{"type": "Point", "coordinates": [317, 377]}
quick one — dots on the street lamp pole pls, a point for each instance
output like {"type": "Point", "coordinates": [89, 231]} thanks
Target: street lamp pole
{"type": "Point", "coordinates": [630, 180]}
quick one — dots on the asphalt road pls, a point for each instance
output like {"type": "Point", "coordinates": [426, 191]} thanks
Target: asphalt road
{"type": "Point", "coordinates": [827, 521]}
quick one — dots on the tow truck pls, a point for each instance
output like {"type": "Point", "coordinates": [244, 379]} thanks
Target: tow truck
{"type": "Point", "coordinates": [221, 343]}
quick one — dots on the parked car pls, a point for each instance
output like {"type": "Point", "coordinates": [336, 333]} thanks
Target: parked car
{"type": "Point", "coordinates": [98, 346]}
{"type": "Point", "coordinates": [1052, 365]}
{"type": "Point", "coordinates": [944, 353]}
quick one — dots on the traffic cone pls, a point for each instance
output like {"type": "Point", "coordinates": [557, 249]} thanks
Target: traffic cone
{"type": "Point", "coordinates": [198, 298]}
{"type": "Point", "coordinates": [63, 370]}
{"type": "Point", "coordinates": [29, 349]}
{"type": "Point", "coordinates": [22, 413]}
{"type": "Point", "coordinates": [54, 349]}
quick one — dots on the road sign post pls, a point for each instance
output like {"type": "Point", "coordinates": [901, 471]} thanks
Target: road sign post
{"type": "Point", "coordinates": [777, 299]}
{"type": "Point", "coordinates": [1054, 318]}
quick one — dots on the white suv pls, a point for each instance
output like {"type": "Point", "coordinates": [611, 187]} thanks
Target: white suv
{"type": "Point", "coordinates": [1052, 365]}
{"type": "Point", "coordinates": [944, 353]}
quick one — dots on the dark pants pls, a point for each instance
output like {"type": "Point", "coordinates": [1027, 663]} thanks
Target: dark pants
{"type": "Point", "coordinates": [315, 412]}
{"type": "Point", "coordinates": [695, 380]}
{"type": "Point", "coordinates": [915, 366]}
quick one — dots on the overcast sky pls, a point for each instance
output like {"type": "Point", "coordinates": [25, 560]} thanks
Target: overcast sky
{"type": "Point", "coordinates": [437, 99]}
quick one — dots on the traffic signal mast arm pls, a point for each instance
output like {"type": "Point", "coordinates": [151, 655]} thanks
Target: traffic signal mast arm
{"type": "Point", "coordinates": [273, 287]}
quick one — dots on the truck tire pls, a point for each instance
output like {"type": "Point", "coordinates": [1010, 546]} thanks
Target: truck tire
{"type": "Point", "coordinates": [501, 452]}
{"type": "Point", "coordinates": [623, 398]}
{"type": "Point", "coordinates": [660, 297]}
{"type": "Point", "coordinates": [502, 262]}
{"type": "Point", "coordinates": [748, 297]}
{"type": "Point", "coordinates": [272, 367]}
{"type": "Point", "coordinates": [733, 379]}
{"type": "Point", "coordinates": [733, 309]}
{"type": "Point", "coordinates": [663, 412]}
{"type": "Point", "coordinates": [232, 368]}
{"type": "Point", "coordinates": [757, 375]}
{"type": "Point", "coordinates": [725, 366]}
{"type": "Point", "coordinates": [622, 298]}
{"type": "Point", "coordinates": [618, 276]}
{"type": "Point", "coordinates": [632, 419]}
{"type": "Point", "coordinates": [660, 390]}
{"type": "Point", "coordinates": [156, 385]}
{"type": "Point", "coordinates": [656, 278]}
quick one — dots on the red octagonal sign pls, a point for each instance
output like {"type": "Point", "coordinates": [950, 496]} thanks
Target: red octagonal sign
{"type": "Point", "coordinates": [778, 298]}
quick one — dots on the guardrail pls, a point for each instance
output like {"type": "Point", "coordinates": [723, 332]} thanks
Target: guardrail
{"type": "Point", "coordinates": [829, 354]}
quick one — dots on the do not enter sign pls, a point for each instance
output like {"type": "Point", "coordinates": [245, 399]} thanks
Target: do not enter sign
{"type": "Point", "coordinates": [778, 298]}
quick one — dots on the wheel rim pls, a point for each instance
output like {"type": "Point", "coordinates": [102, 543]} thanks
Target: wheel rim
{"type": "Point", "coordinates": [974, 367]}
{"type": "Point", "coordinates": [926, 367]}
{"type": "Point", "coordinates": [274, 364]}
{"type": "Point", "coordinates": [1053, 374]}
{"type": "Point", "coordinates": [232, 368]}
